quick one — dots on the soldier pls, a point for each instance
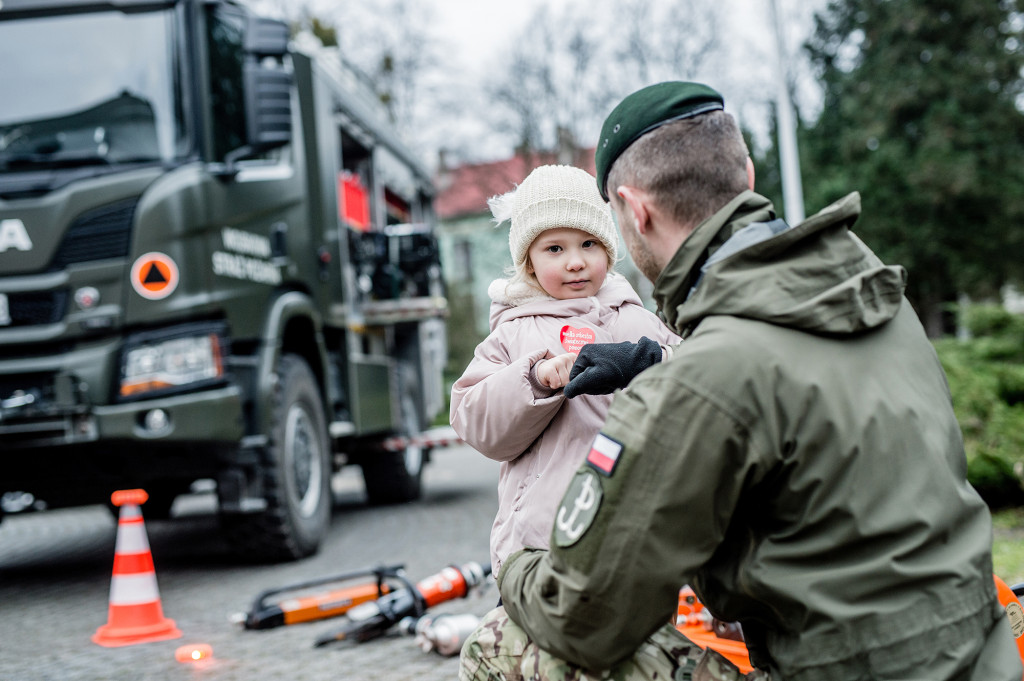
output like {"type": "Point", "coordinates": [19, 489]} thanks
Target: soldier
{"type": "Point", "coordinates": [797, 461]}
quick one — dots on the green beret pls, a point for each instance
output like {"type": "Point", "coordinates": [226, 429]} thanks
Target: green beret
{"type": "Point", "coordinates": [645, 110]}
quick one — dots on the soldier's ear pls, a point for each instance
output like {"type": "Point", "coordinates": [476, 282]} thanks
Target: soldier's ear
{"type": "Point", "coordinates": [636, 208]}
{"type": "Point", "coordinates": [750, 173]}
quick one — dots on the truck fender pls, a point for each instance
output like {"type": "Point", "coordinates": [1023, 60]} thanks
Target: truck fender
{"type": "Point", "coordinates": [290, 310]}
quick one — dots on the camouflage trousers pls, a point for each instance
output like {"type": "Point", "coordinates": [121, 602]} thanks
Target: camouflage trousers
{"type": "Point", "coordinates": [499, 650]}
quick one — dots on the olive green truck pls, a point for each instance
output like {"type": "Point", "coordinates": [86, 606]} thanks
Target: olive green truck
{"type": "Point", "coordinates": [218, 269]}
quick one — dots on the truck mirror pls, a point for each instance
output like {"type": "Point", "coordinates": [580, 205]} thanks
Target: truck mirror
{"type": "Point", "coordinates": [267, 84]}
{"type": "Point", "coordinates": [266, 38]}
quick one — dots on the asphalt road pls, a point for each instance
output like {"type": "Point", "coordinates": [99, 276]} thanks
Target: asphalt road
{"type": "Point", "coordinates": [55, 574]}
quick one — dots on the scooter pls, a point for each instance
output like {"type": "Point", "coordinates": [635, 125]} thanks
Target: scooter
{"type": "Point", "coordinates": [695, 622]}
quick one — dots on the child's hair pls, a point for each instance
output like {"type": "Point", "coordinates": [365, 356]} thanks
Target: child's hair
{"type": "Point", "coordinates": [552, 196]}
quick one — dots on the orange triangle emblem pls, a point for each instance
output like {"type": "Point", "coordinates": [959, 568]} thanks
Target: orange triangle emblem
{"type": "Point", "coordinates": [154, 276]}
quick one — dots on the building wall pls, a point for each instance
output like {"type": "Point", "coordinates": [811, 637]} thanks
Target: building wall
{"type": "Point", "coordinates": [474, 253]}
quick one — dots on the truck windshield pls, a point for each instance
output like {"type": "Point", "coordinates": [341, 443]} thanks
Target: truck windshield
{"type": "Point", "coordinates": [90, 89]}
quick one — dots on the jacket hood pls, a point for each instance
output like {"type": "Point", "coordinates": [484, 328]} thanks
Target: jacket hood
{"type": "Point", "coordinates": [522, 300]}
{"type": "Point", "coordinates": [817, 276]}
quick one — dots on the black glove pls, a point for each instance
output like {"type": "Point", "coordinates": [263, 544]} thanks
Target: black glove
{"type": "Point", "coordinates": [603, 368]}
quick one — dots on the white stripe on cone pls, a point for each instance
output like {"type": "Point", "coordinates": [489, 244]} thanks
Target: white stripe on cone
{"type": "Point", "coordinates": [134, 589]}
{"type": "Point", "coordinates": [130, 512]}
{"type": "Point", "coordinates": [131, 538]}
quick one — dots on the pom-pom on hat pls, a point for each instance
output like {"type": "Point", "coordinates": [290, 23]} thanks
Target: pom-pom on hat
{"type": "Point", "coordinates": [643, 111]}
{"type": "Point", "coordinates": [554, 196]}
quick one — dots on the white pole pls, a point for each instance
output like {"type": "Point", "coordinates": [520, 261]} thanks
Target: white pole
{"type": "Point", "coordinates": [789, 159]}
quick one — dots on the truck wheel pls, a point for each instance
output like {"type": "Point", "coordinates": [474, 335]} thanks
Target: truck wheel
{"type": "Point", "coordinates": [396, 477]}
{"type": "Point", "coordinates": [296, 471]}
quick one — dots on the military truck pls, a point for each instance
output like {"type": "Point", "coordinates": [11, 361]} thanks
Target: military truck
{"type": "Point", "coordinates": [217, 269]}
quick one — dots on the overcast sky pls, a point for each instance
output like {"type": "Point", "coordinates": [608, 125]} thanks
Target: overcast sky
{"type": "Point", "coordinates": [473, 25]}
{"type": "Point", "coordinates": [475, 30]}
{"type": "Point", "coordinates": [474, 35]}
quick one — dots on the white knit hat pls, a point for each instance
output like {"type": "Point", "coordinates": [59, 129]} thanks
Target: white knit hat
{"type": "Point", "coordinates": [550, 197]}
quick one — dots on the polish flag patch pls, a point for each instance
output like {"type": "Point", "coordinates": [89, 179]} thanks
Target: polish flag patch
{"type": "Point", "coordinates": [604, 454]}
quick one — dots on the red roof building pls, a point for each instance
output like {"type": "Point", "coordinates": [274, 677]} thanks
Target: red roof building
{"type": "Point", "coordinates": [464, 189]}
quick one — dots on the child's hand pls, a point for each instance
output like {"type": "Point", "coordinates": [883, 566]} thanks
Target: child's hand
{"type": "Point", "coordinates": [553, 371]}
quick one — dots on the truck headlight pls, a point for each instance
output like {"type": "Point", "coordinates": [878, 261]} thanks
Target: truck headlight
{"type": "Point", "coordinates": [173, 363]}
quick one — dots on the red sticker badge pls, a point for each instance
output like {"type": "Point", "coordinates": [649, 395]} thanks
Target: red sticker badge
{"type": "Point", "coordinates": [573, 339]}
{"type": "Point", "coordinates": [604, 454]}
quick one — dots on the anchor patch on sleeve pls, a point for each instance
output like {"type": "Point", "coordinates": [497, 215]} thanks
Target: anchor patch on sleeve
{"type": "Point", "coordinates": [578, 508]}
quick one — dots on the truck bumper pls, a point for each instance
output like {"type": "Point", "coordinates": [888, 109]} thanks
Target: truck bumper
{"type": "Point", "coordinates": [80, 457]}
{"type": "Point", "coordinates": [208, 416]}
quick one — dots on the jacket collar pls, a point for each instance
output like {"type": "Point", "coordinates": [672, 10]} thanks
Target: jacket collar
{"type": "Point", "coordinates": [681, 272]}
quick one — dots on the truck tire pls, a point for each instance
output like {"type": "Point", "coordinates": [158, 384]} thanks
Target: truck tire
{"type": "Point", "coordinates": [296, 469]}
{"type": "Point", "coordinates": [393, 477]}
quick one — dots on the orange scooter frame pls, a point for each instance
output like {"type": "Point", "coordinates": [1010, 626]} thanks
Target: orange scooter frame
{"type": "Point", "coordinates": [696, 623]}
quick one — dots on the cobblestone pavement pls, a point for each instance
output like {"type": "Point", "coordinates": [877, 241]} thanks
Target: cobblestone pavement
{"type": "Point", "coordinates": [55, 570]}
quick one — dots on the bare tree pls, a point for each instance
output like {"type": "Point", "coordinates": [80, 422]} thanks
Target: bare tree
{"type": "Point", "coordinates": [546, 94]}
{"type": "Point", "coordinates": [564, 70]}
{"type": "Point", "coordinates": [387, 41]}
{"type": "Point", "coordinates": [549, 84]}
{"type": "Point", "coordinates": [391, 45]}
{"type": "Point", "coordinates": [666, 41]}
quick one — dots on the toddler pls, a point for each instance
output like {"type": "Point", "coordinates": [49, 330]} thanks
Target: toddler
{"type": "Point", "coordinates": [560, 295]}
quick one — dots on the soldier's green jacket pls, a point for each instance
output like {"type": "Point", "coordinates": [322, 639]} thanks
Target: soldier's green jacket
{"type": "Point", "coordinates": [797, 462]}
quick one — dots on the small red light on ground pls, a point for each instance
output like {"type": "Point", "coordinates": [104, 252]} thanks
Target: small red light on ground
{"type": "Point", "coordinates": [193, 653]}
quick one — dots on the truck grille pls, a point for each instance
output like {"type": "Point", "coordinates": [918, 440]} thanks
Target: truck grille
{"type": "Point", "coordinates": [36, 307]}
{"type": "Point", "coordinates": [98, 234]}
{"type": "Point", "coordinates": [32, 409]}
{"type": "Point", "coordinates": [38, 385]}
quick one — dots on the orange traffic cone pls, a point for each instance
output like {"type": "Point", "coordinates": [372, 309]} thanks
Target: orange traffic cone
{"type": "Point", "coordinates": [135, 614]}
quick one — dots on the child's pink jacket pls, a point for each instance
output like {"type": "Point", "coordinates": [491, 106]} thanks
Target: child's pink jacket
{"type": "Point", "coordinates": [499, 408]}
